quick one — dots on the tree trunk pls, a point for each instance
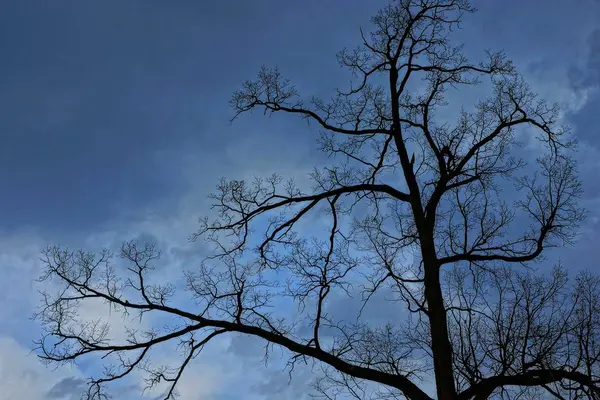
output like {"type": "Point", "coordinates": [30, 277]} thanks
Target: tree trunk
{"type": "Point", "coordinates": [440, 342]}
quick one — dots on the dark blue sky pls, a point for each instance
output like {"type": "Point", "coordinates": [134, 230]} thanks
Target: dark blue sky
{"type": "Point", "coordinates": [98, 98]}
{"type": "Point", "coordinates": [114, 117]}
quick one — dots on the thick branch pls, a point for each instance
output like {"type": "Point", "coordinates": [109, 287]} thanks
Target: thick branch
{"type": "Point", "coordinates": [486, 387]}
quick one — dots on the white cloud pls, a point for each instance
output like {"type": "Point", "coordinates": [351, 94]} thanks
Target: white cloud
{"type": "Point", "coordinates": [204, 378]}
{"type": "Point", "coordinates": [24, 377]}
{"type": "Point", "coordinates": [22, 374]}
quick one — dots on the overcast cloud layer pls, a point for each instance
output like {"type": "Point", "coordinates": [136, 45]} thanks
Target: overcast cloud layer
{"type": "Point", "coordinates": [114, 124]}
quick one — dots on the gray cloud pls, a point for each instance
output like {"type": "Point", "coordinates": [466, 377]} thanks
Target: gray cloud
{"type": "Point", "coordinates": [280, 386]}
{"type": "Point", "coordinates": [69, 388]}
{"type": "Point", "coordinates": [588, 74]}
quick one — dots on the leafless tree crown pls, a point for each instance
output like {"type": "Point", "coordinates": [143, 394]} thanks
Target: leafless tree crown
{"type": "Point", "coordinates": [442, 217]}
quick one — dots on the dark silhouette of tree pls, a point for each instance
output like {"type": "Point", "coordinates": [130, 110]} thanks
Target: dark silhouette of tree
{"type": "Point", "coordinates": [445, 217]}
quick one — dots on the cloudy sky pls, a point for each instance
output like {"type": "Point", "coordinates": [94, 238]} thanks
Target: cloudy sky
{"type": "Point", "coordinates": [114, 124]}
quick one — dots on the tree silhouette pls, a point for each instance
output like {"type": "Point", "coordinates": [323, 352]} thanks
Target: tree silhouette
{"type": "Point", "coordinates": [445, 217]}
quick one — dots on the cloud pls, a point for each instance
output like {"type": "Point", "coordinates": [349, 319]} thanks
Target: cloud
{"type": "Point", "coordinates": [24, 377]}
{"type": "Point", "coordinates": [588, 73]}
{"type": "Point", "coordinates": [67, 388]}
{"type": "Point", "coordinates": [285, 387]}
{"type": "Point", "coordinates": [201, 380]}
{"type": "Point", "coordinates": [268, 378]}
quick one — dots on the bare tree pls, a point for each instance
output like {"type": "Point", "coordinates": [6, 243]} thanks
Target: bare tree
{"type": "Point", "coordinates": [445, 217]}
